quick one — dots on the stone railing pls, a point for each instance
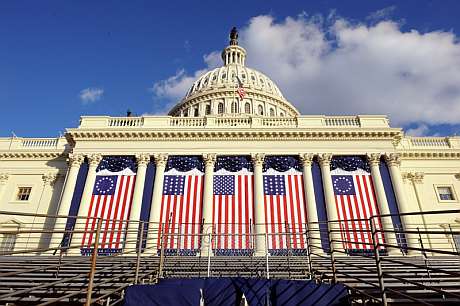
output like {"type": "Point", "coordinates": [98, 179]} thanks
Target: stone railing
{"type": "Point", "coordinates": [242, 121]}
{"type": "Point", "coordinates": [126, 121]}
{"type": "Point", "coordinates": [420, 143]}
{"type": "Point", "coordinates": [20, 143]}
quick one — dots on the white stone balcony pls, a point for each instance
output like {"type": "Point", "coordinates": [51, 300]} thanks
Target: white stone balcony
{"type": "Point", "coordinates": [365, 121]}
{"type": "Point", "coordinates": [32, 144]}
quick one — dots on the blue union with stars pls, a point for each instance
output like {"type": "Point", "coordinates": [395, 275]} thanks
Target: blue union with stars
{"type": "Point", "coordinates": [174, 185]}
{"type": "Point", "coordinates": [224, 184]}
{"type": "Point", "coordinates": [274, 185]}
{"type": "Point", "coordinates": [105, 185]}
{"type": "Point", "coordinates": [343, 185]}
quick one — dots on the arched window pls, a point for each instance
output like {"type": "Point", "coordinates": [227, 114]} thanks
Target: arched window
{"type": "Point", "coordinates": [186, 112]}
{"type": "Point", "coordinates": [195, 111]}
{"type": "Point", "coordinates": [207, 110]}
{"type": "Point", "coordinates": [234, 107]}
{"type": "Point", "coordinates": [272, 112]}
{"type": "Point", "coordinates": [261, 110]}
{"type": "Point", "coordinates": [220, 108]}
{"type": "Point", "coordinates": [247, 108]}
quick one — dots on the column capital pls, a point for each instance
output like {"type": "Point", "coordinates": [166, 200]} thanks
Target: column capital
{"type": "Point", "coordinates": [4, 178]}
{"type": "Point", "coordinates": [325, 159]}
{"type": "Point", "coordinates": [393, 159]}
{"type": "Point", "coordinates": [75, 159]}
{"type": "Point", "coordinates": [306, 158]}
{"type": "Point", "coordinates": [258, 159]}
{"type": "Point", "coordinates": [50, 178]}
{"type": "Point", "coordinates": [415, 177]}
{"type": "Point", "coordinates": [209, 159]}
{"type": "Point", "coordinates": [160, 159]}
{"type": "Point", "coordinates": [142, 159]}
{"type": "Point", "coordinates": [373, 158]}
{"type": "Point", "coordinates": [94, 159]}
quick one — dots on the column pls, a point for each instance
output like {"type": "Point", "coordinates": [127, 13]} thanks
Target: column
{"type": "Point", "coordinates": [42, 223]}
{"type": "Point", "coordinates": [209, 161]}
{"type": "Point", "coordinates": [329, 197]}
{"type": "Point", "coordinates": [75, 161]}
{"type": "Point", "coordinates": [155, 209]}
{"type": "Point", "coordinates": [93, 160]}
{"type": "Point", "coordinates": [259, 216]}
{"type": "Point", "coordinates": [3, 180]}
{"type": "Point", "coordinates": [309, 195]}
{"type": "Point", "coordinates": [387, 223]}
{"type": "Point", "coordinates": [136, 205]}
{"type": "Point", "coordinates": [394, 162]}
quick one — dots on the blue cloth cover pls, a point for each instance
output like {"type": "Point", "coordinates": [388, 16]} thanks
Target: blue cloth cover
{"type": "Point", "coordinates": [229, 291]}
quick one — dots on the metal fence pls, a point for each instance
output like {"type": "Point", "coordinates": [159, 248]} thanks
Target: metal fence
{"type": "Point", "coordinates": [41, 261]}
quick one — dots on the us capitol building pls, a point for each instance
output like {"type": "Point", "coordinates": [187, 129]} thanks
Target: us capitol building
{"type": "Point", "coordinates": [235, 160]}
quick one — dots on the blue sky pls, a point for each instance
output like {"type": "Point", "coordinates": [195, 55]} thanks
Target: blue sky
{"type": "Point", "coordinates": [51, 51]}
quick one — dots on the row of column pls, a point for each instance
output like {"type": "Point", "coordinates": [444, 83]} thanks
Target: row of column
{"type": "Point", "coordinates": [75, 161]}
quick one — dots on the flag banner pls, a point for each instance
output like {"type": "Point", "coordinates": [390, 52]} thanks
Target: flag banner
{"type": "Point", "coordinates": [233, 206]}
{"type": "Point", "coordinates": [284, 204]}
{"type": "Point", "coordinates": [181, 206]}
{"type": "Point", "coordinates": [111, 200]}
{"type": "Point", "coordinates": [240, 90]}
{"type": "Point", "coordinates": [355, 202]}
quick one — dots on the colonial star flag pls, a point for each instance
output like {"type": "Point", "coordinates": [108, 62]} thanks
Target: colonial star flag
{"type": "Point", "coordinates": [111, 200]}
{"type": "Point", "coordinates": [285, 211]}
{"type": "Point", "coordinates": [181, 211]}
{"type": "Point", "coordinates": [233, 212]}
{"type": "Point", "coordinates": [356, 203]}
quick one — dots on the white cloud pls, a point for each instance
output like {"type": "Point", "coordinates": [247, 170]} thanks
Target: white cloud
{"type": "Point", "coordinates": [91, 94]}
{"type": "Point", "coordinates": [420, 130]}
{"type": "Point", "coordinates": [384, 13]}
{"type": "Point", "coordinates": [337, 67]}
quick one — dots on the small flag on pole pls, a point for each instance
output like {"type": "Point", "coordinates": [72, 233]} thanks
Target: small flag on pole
{"type": "Point", "coordinates": [240, 89]}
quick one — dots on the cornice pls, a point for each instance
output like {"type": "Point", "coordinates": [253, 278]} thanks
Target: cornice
{"type": "Point", "coordinates": [34, 155]}
{"type": "Point", "coordinates": [238, 135]}
{"type": "Point", "coordinates": [414, 155]}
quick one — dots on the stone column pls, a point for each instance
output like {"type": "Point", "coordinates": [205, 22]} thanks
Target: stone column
{"type": "Point", "coordinates": [41, 223]}
{"type": "Point", "coordinates": [329, 197]}
{"type": "Point", "coordinates": [155, 209]}
{"type": "Point", "coordinates": [75, 161]}
{"type": "Point", "coordinates": [394, 162]}
{"type": "Point", "coordinates": [417, 221]}
{"type": "Point", "coordinates": [387, 223]}
{"type": "Point", "coordinates": [93, 160]}
{"type": "Point", "coordinates": [259, 215]}
{"type": "Point", "coordinates": [136, 205]}
{"type": "Point", "coordinates": [309, 195]}
{"type": "Point", "coordinates": [209, 160]}
{"type": "Point", "coordinates": [3, 180]}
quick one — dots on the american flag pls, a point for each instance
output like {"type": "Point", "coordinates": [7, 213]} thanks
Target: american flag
{"type": "Point", "coordinates": [111, 200]}
{"type": "Point", "coordinates": [233, 213]}
{"type": "Point", "coordinates": [285, 212]}
{"type": "Point", "coordinates": [240, 89]}
{"type": "Point", "coordinates": [181, 209]}
{"type": "Point", "coordinates": [355, 199]}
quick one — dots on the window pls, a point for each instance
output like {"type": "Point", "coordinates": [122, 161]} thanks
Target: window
{"type": "Point", "coordinates": [207, 109]}
{"type": "Point", "coordinates": [272, 112]}
{"type": "Point", "coordinates": [234, 108]}
{"type": "Point", "coordinates": [23, 193]}
{"type": "Point", "coordinates": [185, 114]}
{"type": "Point", "coordinates": [261, 110]}
{"type": "Point", "coordinates": [224, 76]}
{"type": "Point", "coordinates": [220, 108]}
{"type": "Point", "coordinates": [8, 242]}
{"type": "Point", "coordinates": [195, 111]}
{"type": "Point", "coordinates": [247, 108]}
{"type": "Point", "coordinates": [445, 193]}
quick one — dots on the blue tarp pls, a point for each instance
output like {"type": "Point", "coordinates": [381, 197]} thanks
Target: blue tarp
{"type": "Point", "coordinates": [229, 291]}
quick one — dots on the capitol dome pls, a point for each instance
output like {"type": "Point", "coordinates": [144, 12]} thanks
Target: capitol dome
{"type": "Point", "coordinates": [234, 89]}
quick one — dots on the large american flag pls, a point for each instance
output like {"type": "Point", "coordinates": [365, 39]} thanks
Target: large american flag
{"type": "Point", "coordinates": [285, 212]}
{"type": "Point", "coordinates": [355, 203]}
{"type": "Point", "coordinates": [233, 213]}
{"type": "Point", "coordinates": [181, 211]}
{"type": "Point", "coordinates": [240, 89]}
{"type": "Point", "coordinates": [111, 200]}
